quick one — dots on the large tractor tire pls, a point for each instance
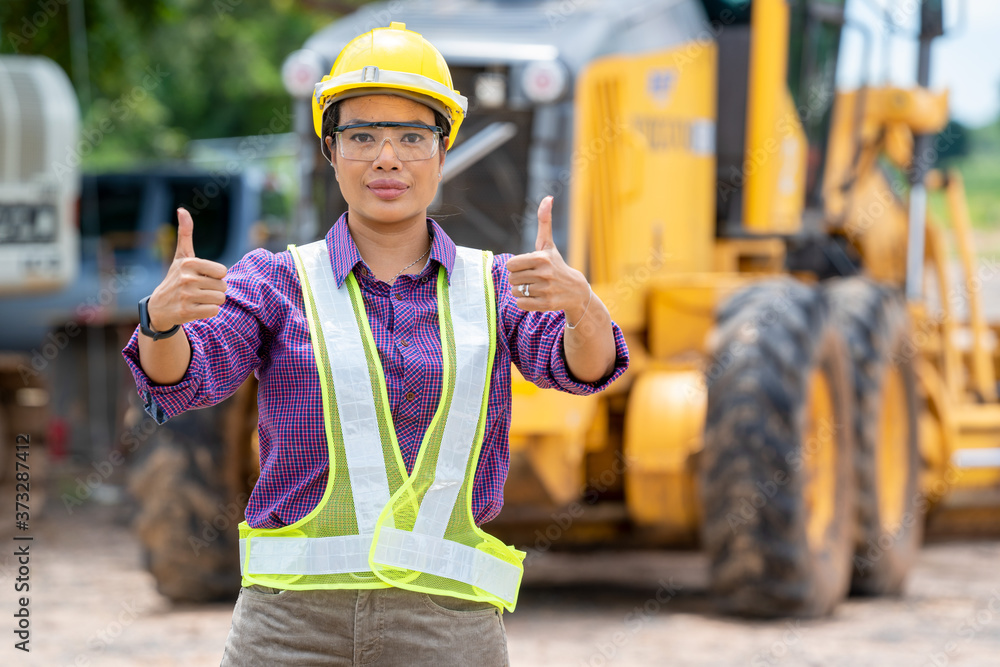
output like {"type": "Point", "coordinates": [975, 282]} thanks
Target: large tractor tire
{"type": "Point", "coordinates": [192, 486]}
{"type": "Point", "coordinates": [776, 478]}
{"type": "Point", "coordinates": [874, 321]}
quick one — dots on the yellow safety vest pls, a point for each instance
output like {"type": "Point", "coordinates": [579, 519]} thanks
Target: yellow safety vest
{"type": "Point", "coordinates": [376, 526]}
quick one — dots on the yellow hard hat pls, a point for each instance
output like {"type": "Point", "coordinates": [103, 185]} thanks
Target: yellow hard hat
{"type": "Point", "coordinates": [393, 61]}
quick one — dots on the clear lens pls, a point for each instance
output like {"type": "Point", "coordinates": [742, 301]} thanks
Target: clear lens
{"type": "Point", "coordinates": [409, 141]}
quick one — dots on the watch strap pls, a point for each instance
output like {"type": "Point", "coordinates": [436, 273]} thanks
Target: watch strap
{"type": "Point", "coordinates": [146, 328]}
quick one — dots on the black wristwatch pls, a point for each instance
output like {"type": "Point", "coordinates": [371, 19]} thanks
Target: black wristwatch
{"type": "Point", "coordinates": [144, 323]}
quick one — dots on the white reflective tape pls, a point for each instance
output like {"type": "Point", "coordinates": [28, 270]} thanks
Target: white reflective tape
{"type": "Point", "coordinates": [352, 386]}
{"type": "Point", "coordinates": [977, 458]}
{"type": "Point", "coordinates": [467, 297]}
{"type": "Point", "coordinates": [703, 136]}
{"type": "Point", "coordinates": [448, 559]}
{"type": "Point", "coordinates": [305, 555]}
{"type": "Point", "coordinates": [415, 82]}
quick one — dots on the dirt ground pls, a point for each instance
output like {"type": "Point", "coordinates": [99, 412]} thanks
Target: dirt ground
{"type": "Point", "coordinates": [92, 604]}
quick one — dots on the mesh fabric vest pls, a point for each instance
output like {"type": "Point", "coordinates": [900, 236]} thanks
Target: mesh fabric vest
{"type": "Point", "coordinates": [376, 526]}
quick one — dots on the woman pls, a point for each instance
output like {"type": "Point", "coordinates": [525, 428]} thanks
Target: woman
{"type": "Point", "coordinates": [383, 354]}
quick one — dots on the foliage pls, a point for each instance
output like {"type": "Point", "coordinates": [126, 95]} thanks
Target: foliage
{"type": "Point", "coordinates": [161, 72]}
{"type": "Point", "coordinates": [980, 170]}
{"type": "Point", "coordinates": [955, 142]}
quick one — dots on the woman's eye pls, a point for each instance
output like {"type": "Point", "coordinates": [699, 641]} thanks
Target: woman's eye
{"type": "Point", "coordinates": [362, 138]}
{"type": "Point", "coordinates": [412, 138]}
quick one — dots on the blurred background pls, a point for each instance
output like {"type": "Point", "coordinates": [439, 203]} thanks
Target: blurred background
{"type": "Point", "coordinates": [635, 115]}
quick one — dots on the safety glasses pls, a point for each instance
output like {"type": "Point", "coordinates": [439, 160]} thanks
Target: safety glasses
{"type": "Point", "coordinates": [410, 141]}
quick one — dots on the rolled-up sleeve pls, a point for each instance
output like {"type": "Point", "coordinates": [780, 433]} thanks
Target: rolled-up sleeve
{"type": "Point", "coordinates": [535, 340]}
{"type": "Point", "coordinates": [225, 349]}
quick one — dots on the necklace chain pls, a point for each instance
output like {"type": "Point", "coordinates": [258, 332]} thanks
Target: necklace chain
{"type": "Point", "coordinates": [430, 239]}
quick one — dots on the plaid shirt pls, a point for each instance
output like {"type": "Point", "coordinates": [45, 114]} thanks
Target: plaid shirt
{"type": "Point", "coordinates": [262, 329]}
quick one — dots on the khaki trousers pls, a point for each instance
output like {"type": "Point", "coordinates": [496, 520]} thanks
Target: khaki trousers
{"type": "Point", "coordinates": [378, 628]}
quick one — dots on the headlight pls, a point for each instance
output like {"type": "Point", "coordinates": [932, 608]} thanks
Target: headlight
{"type": "Point", "coordinates": [491, 89]}
{"type": "Point", "coordinates": [301, 71]}
{"type": "Point", "coordinates": [544, 81]}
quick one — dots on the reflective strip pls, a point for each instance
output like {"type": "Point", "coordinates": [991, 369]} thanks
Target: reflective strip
{"type": "Point", "coordinates": [467, 300]}
{"type": "Point", "coordinates": [451, 560]}
{"type": "Point", "coordinates": [305, 555]}
{"type": "Point", "coordinates": [391, 77]}
{"type": "Point", "coordinates": [352, 387]}
{"type": "Point", "coordinates": [243, 556]}
{"type": "Point", "coordinates": [703, 137]}
{"type": "Point", "coordinates": [976, 458]}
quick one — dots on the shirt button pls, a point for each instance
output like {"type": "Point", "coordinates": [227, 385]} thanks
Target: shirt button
{"type": "Point", "coordinates": [404, 343]}
{"type": "Point", "coordinates": [410, 396]}
{"type": "Point", "coordinates": [399, 297]}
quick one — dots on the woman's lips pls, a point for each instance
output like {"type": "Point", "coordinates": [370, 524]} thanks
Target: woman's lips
{"type": "Point", "coordinates": [386, 188]}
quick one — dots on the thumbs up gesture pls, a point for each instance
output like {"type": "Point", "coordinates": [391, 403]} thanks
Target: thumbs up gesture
{"type": "Point", "coordinates": [542, 280]}
{"type": "Point", "coordinates": [193, 288]}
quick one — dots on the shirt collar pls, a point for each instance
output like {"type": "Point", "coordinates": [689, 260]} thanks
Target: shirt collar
{"type": "Point", "coordinates": [344, 255]}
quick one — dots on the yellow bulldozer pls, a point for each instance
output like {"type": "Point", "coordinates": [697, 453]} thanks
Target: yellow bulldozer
{"type": "Point", "coordinates": [806, 390]}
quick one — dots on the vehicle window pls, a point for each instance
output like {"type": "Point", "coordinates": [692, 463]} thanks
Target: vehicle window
{"type": "Point", "coordinates": [209, 205]}
{"type": "Point", "coordinates": [813, 49]}
{"type": "Point", "coordinates": [110, 210]}
{"type": "Point", "coordinates": [728, 12]}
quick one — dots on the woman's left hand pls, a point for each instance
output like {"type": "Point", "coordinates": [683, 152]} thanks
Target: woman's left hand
{"type": "Point", "coordinates": [542, 280]}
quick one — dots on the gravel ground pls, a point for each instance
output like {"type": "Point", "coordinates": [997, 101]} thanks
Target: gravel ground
{"type": "Point", "coordinates": [92, 604]}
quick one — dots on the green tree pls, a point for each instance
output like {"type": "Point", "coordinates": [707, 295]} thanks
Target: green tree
{"type": "Point", "coordinates": [952, 143]}
{"type": "Point", "coordinates": [162, 72]}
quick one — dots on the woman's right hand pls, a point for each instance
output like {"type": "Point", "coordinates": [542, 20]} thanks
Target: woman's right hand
{"type": "Point", "coordinates": [193, 288]}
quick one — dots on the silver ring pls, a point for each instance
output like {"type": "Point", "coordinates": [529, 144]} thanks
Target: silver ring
{"type": "Point", "coordinates": [520, 288]}
{"type": "Point", "coordinates": [527, 287]}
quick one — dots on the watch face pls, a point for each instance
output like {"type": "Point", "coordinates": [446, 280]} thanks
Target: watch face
{"type": "Point", "coordinates": [144, 316]}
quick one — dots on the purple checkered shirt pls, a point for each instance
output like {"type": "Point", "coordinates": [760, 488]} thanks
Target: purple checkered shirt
{"type": "Point", "coordinates": [262, 329]}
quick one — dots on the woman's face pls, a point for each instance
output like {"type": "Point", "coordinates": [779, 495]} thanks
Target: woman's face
{"type": "Point", "coordinates": [386, 190]}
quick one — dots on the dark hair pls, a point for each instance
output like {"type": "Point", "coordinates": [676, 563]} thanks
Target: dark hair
{"type": "Point", "coordinates": [331, 119]}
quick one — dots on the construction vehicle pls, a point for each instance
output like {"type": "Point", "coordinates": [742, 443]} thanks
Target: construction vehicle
{"type": "Point", "coordinates": [39, 239]}
{"type": "Point", "coordinates": [67, 341]}
{"type": "Point", "coordinates": [803, 388]}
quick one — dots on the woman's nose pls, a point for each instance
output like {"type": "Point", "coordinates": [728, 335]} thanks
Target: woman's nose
{"type": "Point", "coordinates": [387, 155]}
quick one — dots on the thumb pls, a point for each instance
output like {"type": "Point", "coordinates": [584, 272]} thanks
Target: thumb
{"type": "Point", "coordinates": [544, 239]}
{"type": "Point", "coordinates": [185, 234]}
